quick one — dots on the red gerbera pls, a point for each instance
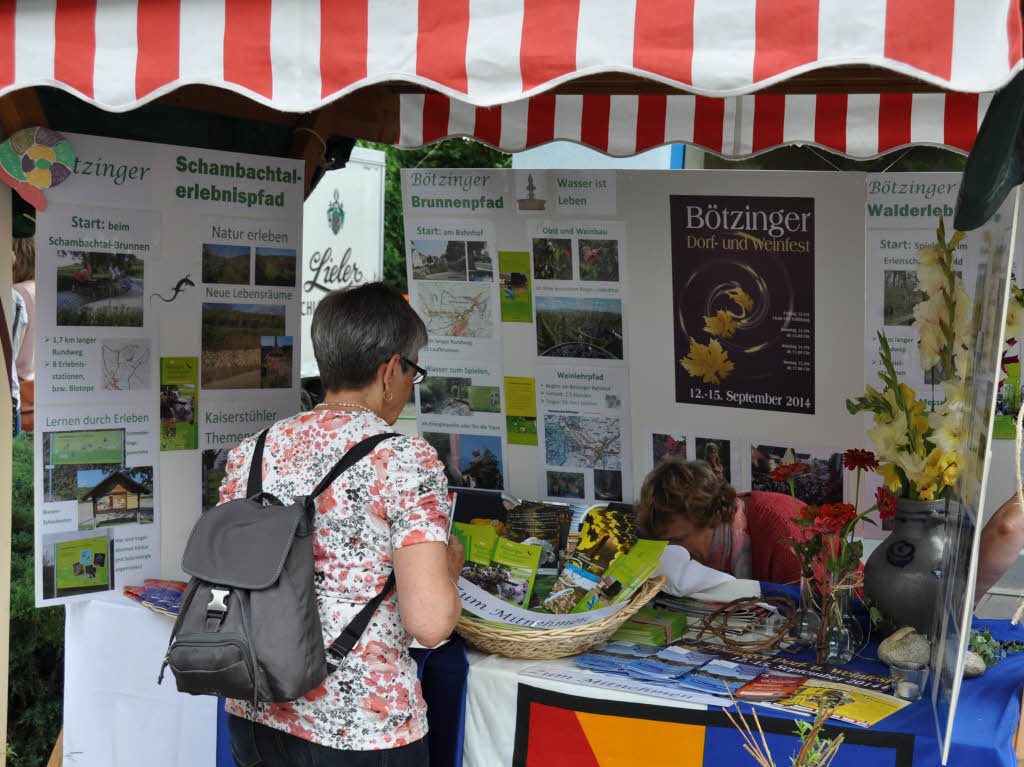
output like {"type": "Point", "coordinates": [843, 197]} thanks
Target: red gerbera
{"type": "Point", "coordinates": [859, 459]}
{"type": "Point", "coordinates": [886, 503]}
{"type": "Point", "coordinates": [788, 470]}
{"type": "Point", "coordinates": [833, 517]}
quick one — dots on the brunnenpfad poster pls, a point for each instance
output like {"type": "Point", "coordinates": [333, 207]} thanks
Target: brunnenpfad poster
{"type": "Point", "coordinates": [743, 301]}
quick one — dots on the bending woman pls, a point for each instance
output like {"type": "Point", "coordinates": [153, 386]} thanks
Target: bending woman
{"type": "Point", "coordinates": [741, 534]}
{"type": "Point", "coordinates": [389, 511]}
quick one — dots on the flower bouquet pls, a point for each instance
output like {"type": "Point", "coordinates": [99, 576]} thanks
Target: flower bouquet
{"type": "Point", "coordinates": [919, 444]}
{"type": "Point", "coordinates": [829, 557]}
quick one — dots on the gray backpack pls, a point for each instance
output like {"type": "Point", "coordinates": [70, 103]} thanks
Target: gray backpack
{"type": "Point", "coordinates": [249, 627]}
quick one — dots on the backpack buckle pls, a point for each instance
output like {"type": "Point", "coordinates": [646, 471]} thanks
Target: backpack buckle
{"type": "Point", "coordinates": [216, 603]}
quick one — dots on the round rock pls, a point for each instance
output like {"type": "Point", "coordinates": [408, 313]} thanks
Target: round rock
{"type": "Point", "coordinates": [905, 645]}
{"type": "Point", "coordinates": [974, 665]}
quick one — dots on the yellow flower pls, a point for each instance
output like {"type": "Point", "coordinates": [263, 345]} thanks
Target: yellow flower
{"type": "Point", "coordinates": [722, 324]}
{"type": "Point", "coordinates": [741, 298]}
{"type": "Point", "coordinates": [947, 430]}
{"type": "Point", "coordinates": [889, 475]}
{"type": "Point", "coordinates": [890, 439]}
{"type": "Point", "coordinates": [941, 470]}
{"type": "Point", "coordinates": [710, 363]}
{"type": "Point", "coordinates": [930, 255]}
{"type": "Point", "coordinates": [927, 315]}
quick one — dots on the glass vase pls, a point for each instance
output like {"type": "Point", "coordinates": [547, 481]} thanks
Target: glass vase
{"type": "Point", "coordinates": [805, 627]}
{"type": "Point", "coordinates": [835, 643]}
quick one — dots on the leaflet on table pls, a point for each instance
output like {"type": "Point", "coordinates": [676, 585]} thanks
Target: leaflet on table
{"type": "Point", "coordinates": [565, 192]}
{"type": "Point", "coordinates": [222, 425]}
{"type": "Point", "coordinates": [461, 414]}
{"type": "Point", "coordinates": [749, 677]}
{"type": "Point", "coordinates": [743, 301]}
{"type": "Point", "coordinates": [579, 272]}
{"type": "Point", "coordinates": [584, 429]}
{"type": "Point", "coordinates": [902, 215]}
{"type": "Point", "coordinates": [93, 265]}
{"type": "Point", "coordinates": [97, 513]}
{"type": "Point", "coordinates": [717, 452]}
{"type": "Point", "coordinates": [556, 672]}
{"type": "Point", "coordinates": [453, 285]}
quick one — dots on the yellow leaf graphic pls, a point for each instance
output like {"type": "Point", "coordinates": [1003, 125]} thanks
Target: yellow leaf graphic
{"type": "Point", "coordinates": [710, 363]}
{"type": "Point", "coordinates": [722, 324]}
{"type": "Point", "coordinates": [742, 299]}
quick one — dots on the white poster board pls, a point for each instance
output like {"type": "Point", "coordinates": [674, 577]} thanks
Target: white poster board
{"type": "Point", "coordinates": [167, 283]}
{"type": "Point", "coordinates": [342, 236]}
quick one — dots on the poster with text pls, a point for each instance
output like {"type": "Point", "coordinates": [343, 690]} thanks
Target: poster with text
{"type": "Point", "coordinates": [584, 427]}
{"type": "Point", "coordinates": [98, 472]}
{"type": "Point", "coordinates": [453, 283]}
{"type": "Point", "coordinates": [578, 284]}
{"type": "Point", "coordinates": [903, 211]}
{"type": "Point", "coordinates": [151, 253]}
{"type": "Point", "coordinates": [743, 301]}
{"type": "Point", "coordinates": [462, 415]}
{"type": "Point", "coordinates": [221, 426]}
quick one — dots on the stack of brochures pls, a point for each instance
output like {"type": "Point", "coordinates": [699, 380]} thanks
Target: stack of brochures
{"type": "Point", "coordinates": [499, 566]}
{"type": "Point", "coordinates": [608, 565]}
{"type": "Point", "coordinates": [740, 623]}
{"type": "Point", "coordinates": [651, 626]}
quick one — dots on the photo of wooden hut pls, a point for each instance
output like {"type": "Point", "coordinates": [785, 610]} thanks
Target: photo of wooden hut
{"type": "Point", "coordinates": [117, 499]}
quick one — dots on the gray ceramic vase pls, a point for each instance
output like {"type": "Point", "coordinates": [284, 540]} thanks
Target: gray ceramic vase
{"type": "Point", "coordinates": [903, 576]}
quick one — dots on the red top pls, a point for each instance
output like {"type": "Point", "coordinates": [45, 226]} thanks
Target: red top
{"type": "Point", "coordinates": [769, 519]}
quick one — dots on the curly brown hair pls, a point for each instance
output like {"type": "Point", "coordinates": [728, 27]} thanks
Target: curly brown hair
{"type": "Point", "coordinates": [688, 489]}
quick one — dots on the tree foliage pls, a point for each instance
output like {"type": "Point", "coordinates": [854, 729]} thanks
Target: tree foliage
{"type": "Point", "coordinates": [450, 153]}
{"type": "Point", "coordinates": [36, 674]}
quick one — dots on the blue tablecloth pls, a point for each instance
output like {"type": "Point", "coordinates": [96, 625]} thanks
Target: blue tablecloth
{"type": "Point", "coordinates": [986, 717]}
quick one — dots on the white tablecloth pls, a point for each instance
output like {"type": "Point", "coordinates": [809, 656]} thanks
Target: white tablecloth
{"type": "Point", "coordinates": [491, 704]}
{"type": "Point", "coordinates": [115, 715]}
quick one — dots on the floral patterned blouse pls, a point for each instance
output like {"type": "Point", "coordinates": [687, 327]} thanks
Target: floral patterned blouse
{"type": "Point", "coordinates": [396, 496]}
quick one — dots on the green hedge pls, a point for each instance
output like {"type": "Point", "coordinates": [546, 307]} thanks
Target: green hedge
{"type": "Point", "coordinates": [36, 674]}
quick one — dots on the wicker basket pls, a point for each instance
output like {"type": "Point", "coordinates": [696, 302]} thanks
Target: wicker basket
{"type": "Point", "coordinates": [545, 644]}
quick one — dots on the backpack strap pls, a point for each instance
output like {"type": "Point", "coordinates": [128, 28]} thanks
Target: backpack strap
{"type": "Point", "coordinates": [349, 637]}
{"type": "Point", "coordinates": [255, 484]}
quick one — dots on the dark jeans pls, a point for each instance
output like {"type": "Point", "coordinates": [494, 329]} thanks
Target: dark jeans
{"type": "Point", "coordinates": [256, 745]}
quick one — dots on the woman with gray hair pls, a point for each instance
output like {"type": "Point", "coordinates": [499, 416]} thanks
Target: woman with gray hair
{"type": "Point", "coordinates": [388, 512]}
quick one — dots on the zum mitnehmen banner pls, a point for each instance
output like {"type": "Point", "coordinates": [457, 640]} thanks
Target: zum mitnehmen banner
{"type": "Point", "coordinates": [743, 301]}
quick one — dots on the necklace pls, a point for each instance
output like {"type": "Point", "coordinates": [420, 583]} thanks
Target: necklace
{"type": "Point", "coordinates": [335, 405]}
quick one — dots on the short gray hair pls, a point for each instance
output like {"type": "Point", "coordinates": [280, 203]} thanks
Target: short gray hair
{"type": "Point", "coordinates": [355, 330]}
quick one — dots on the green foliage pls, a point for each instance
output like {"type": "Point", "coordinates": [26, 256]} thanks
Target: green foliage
{"type": "Point", "coordinates": [109, 316]}
{"type": "Point", "coordinates": [815, 750]}
{"type": "Point", "coordinates": [992, 650]}
{"type": "Point", "coordinates": [450, 153]}
{"type": "Point", "coordinates": [36, 676]}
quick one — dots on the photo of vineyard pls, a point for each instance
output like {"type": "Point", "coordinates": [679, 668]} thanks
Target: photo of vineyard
{"type": "Point", "coordinates": [589, 328]}
{"type": "Point", "coordinates": [231, 342]}
{"type": "Point", "coordinates": [226, 264]}
{"type": "Point", "coordinates": [275, 266]}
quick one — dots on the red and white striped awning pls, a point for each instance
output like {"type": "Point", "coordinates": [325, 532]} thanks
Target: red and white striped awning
{"type": "Point", "coordinates": [299, 55]}
{"type": "Point", "coordinates": [856, 125]}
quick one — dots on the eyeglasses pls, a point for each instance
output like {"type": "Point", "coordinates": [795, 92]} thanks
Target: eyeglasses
{"type": "Point", "coordinates": [418, 373]}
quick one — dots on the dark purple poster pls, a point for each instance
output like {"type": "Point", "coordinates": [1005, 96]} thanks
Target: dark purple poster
{"type": "Point", "coordinates": [743, 293]}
